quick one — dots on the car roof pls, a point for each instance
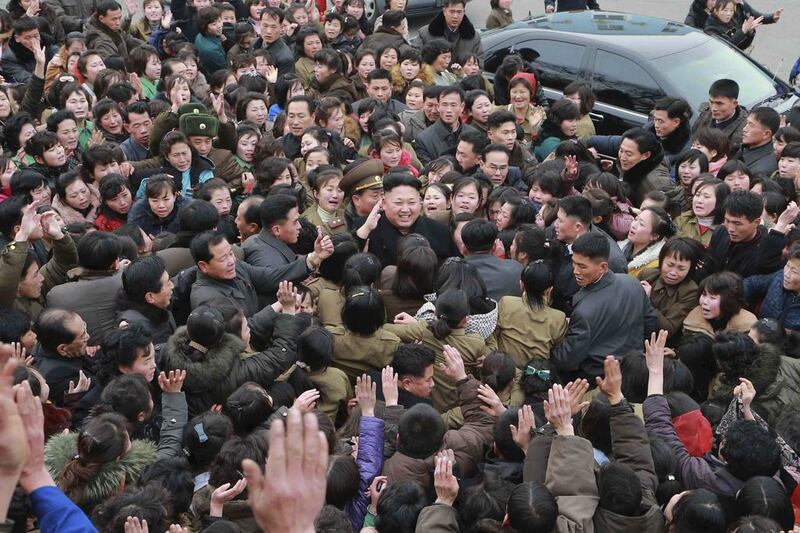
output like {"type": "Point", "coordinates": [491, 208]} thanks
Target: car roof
{"type": "Point", "coordinates": [650, 37]}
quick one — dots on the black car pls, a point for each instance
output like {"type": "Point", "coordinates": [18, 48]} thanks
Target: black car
{"type": "Point", "coordinates": [631, 61]}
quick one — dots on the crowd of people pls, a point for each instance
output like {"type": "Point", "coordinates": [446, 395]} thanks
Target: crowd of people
{"type": "Point", "coordinates": [286, 268]}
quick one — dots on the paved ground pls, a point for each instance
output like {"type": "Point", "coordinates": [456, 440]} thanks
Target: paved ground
{"type": "Point", "coordinates": [777, 46]}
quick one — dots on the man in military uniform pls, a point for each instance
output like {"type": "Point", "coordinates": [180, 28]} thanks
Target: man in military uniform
{"type": "Point", "coordinates": [363, 185]}
{"type": "Point", "coordinates": [201, 129]}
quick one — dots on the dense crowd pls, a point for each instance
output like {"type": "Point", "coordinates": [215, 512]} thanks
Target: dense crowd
{"type": "Point", "coordinates": [289, 268]}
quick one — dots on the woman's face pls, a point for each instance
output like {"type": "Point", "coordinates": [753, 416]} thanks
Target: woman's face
{"type": "Point", "coordinates": [5, 105]}
{"type": "Point", "coordinates": [55, 157]}
{"type": "Point", "coordinates": [329, 197]}
{"type": "Point", "coordinates": [42, 194]}
{"type": "Point", "coordinates": [246, 147]}
{"type": "Point", "coordinates": [738, 181]}
{"type": "Point", "coordinates": [321, 71]}
{"type": "Point", "coordinates": [363, 119]}
{"type": "Point", "coordinates": [121, 203]}
{"type": "Point", "coordinates": [78, 196]}
{"type": "Point", "coordinates": [777, 145]}
{"type": "Point", "coordinates": [391, 155]}
{"type": "Point", "coordinates": [471, 67]}
{"type": "Point", "coordinates": [72, 61]}
{"type": "Point", "coordinates": [520, 97]}
{"type": "Point", "coordinates": [365, 66]}
{"type": "Point", "coordinates": [112, 122]}
{"type": "Point", "coordinates": [355, 10]}
{"type": "Point", "coordinates": [442, 61]}
{"type": "Point", "coordinates": [256, 112]}
{"type": "Point", "coordinates": [255, 11]}
{"type": "Point", "coordinates": [5, 177]}
{"type": "Point", "coordinates": [152, 70]}
{"type": "Point", "coordinates": [333, 28]}
{"type": "Point", "coordinates": [688, 172]}
{"type": "Point", "coordinates": [414, 99]}
{"type": "Point", "coordinates": [388, 59]}
{"type": "Point", "coordinates": [315, 160]}
{"type": "Point", "coordinates": [724, 13]}
{"type": "Point", "coordinates": [481, 109]}
{"type": "Point", "coordinates": [569, 127]}
{"type": "Point", "coordinates": [641, 232]}
{"type": "Point", "coordinates": [163, 204]}
{"type": "Point", "coordinates": [76, 47]}
{"type": "Point", "coordinates": [67, 134]}
{"type": "Point", "coordinates": [191, 70]}
{"type": "Point", "coordinates": [153, 12]}
{"type": "Point", "coordinates": [399, 5]}
{"type": "Point", "coordinates": [709, 153]}
{"type": "Point", "coordinates": [434, 201]}
{"type": "Point", "coordinates": [710, 305]}
{"type": "Point", "coordinates": [284, 179]}
{"type": "Point", "coordinates": [94, 64]}
{"type": "Point", "coordinates": [311, 45]}
{"type": "Point", "coordinates": [180, 156]}
{"type": "Point", "coordinates": [704, 201]}
{"type": "Point", "coordinates": [409, 69]}
{"type": "Point", "coordinates": [536, 194]}
{"type": "Point", "coordinates": [335, 121]}
{"type": "Point", "coordinates": [466, 200]}
{"type": "Point", "coordinates": [222, 201]}
{"type": "Point", "coordinates": [503, 220]}
{"type": "Point", "coordinates": [307, 142]}
{"type": "Point", "coordinates": [674, 270]}
{"type": "Point", "coordinates": [183, 93]}
{"type": "Point", "coordinates": [26, 133]}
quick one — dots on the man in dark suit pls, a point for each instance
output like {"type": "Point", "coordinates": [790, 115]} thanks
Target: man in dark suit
{"type": "Point", "coordinates": [501, 276]}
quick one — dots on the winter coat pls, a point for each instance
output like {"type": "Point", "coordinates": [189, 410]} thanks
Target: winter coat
{"type": "Point", "coordinates": [649, 175]}
{"type": "Point", "coordinates": [109, 221]}
{"type": "Point", "coordinates": [499, 18]}
{"type": "Point", "coordinates": [415, 122]}
{"type": "Point", "coordinates": [54, 272]}
{"type": "Point", "coordinates": [671, 302]}
{"type": "Point", "coordinates": [237, 511]}
{"type": "Point", "coordinates": [501, 276]}
{"type": "Point", "coordinates": [334, 391]}
{"type": "Point", "coordinates": [472, 347]}
{"type": "Point", "coordinates": [525, 332]}
{"type": "Point", "coordinates": [370, 462]}
{"type": "Point", "coordinates": [730, 32]}
{"type": "Point", "coordinates": [332, 227]}
{"type": "Point", "coordinates": [676, 142]}
{"type": "Point", "coordinates": [281, 54]}
{"type": "Point", "coordinates": [760, 255]}
{"type": "Point", "coordinates": [356, 354]}
{"type": "Point", "coordinates": [384, 37]}
{"type": "Point", "coordinates": [611, 316]}
{"type": "Point", "coordinates": [775, 301]}
{"type": "Point", "coordinates": [108, 43]}
{"type": "Point", "coordinates": [59, 371]}
{"type": "Point", "coordinates": [304, 69]}
{"type": "Point", "coordinates": [688, 225]}
{"type": "Point", "coordinates": [334, 85]}
{"type": "Point", "coordinates": [211, 53]}
{"type": "Point", "coordinates": [266, 251]}
{"type": "Point", "coordinates": [159, 322]}
{"type": "Point", "coordinates": [55, 513]}
{"type": "Point", "coordinates": [760, 160]}
{"type": "Point", "coordinates": [208, 376]}
{"type": "Point", "coordinates": [647, 258]}
{"type": "Point", "coordinates": [437, 518]}
{"type": "Point", "coordinates": [141, 215]}
{"type": "Point", "coordinates": [467, 39]}
{"type": "Point", "coordinates": [110, 478]}
{"type": "Point", "coordinates": [732, 128]}
{"type": "Point", "coordinates": [437, 140]}
{"type": "Point", "coordinates": [706, 472]}
{"type": "Point", "coordinates": [468, 443]}
{"type": "Point", "coordinates": [17, 62]}
{"type": "Point", "coordinates": [481, 324]}
{"type": "Point", "coordinates": [187, 182]}
{"type": "Point", "coordinates": [572, 5]}
{"type": "Point", "coordinates": [70, 215]}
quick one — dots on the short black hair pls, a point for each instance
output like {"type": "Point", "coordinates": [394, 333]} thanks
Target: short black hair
{"type": "Point", "coordinates": [619, 488]}
{"type": "Point", "coordinates": [275, 209]}
{"type": "Point", "coordinates": [577, 207]}
{"type": "Point", "coordinates": [767, 117]}
{"type": "Point", "coordinates": [393, 18]}
{"type": "Point", "coordinates": [315, 348]}
{"type": "Point", "coordinates": [503, 438]}
{"type": "Point", "coordinates": [412, 360]}
{"type": "Point", "coordinates": [767, 497]}
{"type": "Point", "coordinates": [434, 48]}
{"type": "Point", "coordinates": [397, 179]}
{"type": "Point", "coordinates": [531, 507]}
{"type": "Point", "coordinates": [750, 450]}
{"type": "Point", "coordinates": [399, 506]}
{"type": "Point", "coordinates": [592, 245]}
{"type": "Point", "coordinates": [379, 74]}
{"type": "Point", "coordinates": [420, 431]}
{"type": "Point", "coordinates": [675, 107]}
{"type": "Point", "coordinates": [198, 216]}
{"type": "Point", "coordinates": [142, 276]}
{"type": "Point", "coordinates": [99, 250]}
{"type": "Point", "coordinates": [363, 311]}
{"type": "Point", "coordinates": [725, 88]}
{"type": "Point", "coordinates": [14, 324]}
{"type": "Point", "coordinates": [744, 204]}
{"type": "Point", "coordinates": [201, 244]}
{"type": "Point", "coordinates": [312, 105]}
{"type": "Point", "coordinates": [479, 235]}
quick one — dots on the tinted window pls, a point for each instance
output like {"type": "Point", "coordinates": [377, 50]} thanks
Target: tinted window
{"type": "Point", "coordinates": [621, 82]}
{"type": "Point", "coordinates": [557, 63]}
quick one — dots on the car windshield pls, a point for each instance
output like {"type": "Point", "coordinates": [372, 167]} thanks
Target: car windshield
{"type": "Point", "coordinates": [697, 68]}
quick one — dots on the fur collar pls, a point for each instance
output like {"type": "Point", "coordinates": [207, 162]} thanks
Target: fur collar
{"type": "Point", "coordinates": [437, 27]}
{"type": "Point", "coordinates": [63, 447]}
{"type": "Point", "coordinates": [209, 372]}
{"type": "Point", "coordinates": [643, 168]}
{"type": "Point", "coordinates": [644, 257]}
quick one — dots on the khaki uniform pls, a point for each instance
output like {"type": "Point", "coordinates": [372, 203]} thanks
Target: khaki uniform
{"type": "Point", "coordinates": [334, 389]}
{"type": "Point", "coordinates": [356, 354]}
{"type": "Point", "coordinates": [471, 347]}
{"type": "Point", "coordinates": [332, 227]}
{"type": "Point", "coordinates": [688, 226]}
{"type": "Point", "coordinates": [524, 333]}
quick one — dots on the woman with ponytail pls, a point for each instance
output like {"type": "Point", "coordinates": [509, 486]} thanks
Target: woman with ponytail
{"type": "Point", "coordinates": [360, 269]}
{"type": "Point", "coordinates": [526, 325]}
{"type": "Point", "coordinates": [314, 357]}
{"type": "Point", "coordinates": [447, 328]}
{"type": "Point", "coordinates": [99, 462]}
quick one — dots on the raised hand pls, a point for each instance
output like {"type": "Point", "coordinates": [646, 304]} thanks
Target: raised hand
{"type": "Point", "coordinates": [746, 392]}
{"type": "Point", "coordinates": [786, 220]}
{"type": "Point", "coordinates": [389, 386]}
{"type": "Point", "coordinates": [19, 354]}
{"type": "Point", "coordinates": [453, 366]}
{"type": "Point", "coordinates": [289, 496]}
{"type": "Point", "coordinates": [647, 287]}
{"type": "Point", "coordinates": [323, 245]}
{"type": "Point", "coordinates": [611, 384]}
{"type": "Point", "coordinates": [306, 402]}
{"type": "Point", "coordinates": [223, 494]}
{"type": "Point", "coordinates": [444, 481]}
{"type": "Point", "coordinates": [272, 73]}
{"type": "Point", "coordinates": [34, 473]}
{"type": "Point", "coordinates": [379, 483]}
{"type": "Point", "coordinates": [576, 390]}
{"type": "Point", "coordinates": [172, 382]}
{"type": "Point", "coordinates": [287, 296]}
{"type": "Point", "coordinates": [521, 433]}
{"type": "Point", "coordinates": [13, 443]}
{"type": "Point", "coordinates": [365, 393]}
{"type": "Point", "coordinates": [97, 138]}
{"type": "Point", "coordinates": [492, 404]}
{"type": "Point", "coordinates": [654, 351]}
{"type": "Point", "coordinates": [570, 172]}
{"type": "Point", "coordinates": [248, 182]}
{"type": "Point", "coordinates": [51, 227]}
{"type": "Point", "coordinates": [134, 525]}
{"type": "Point", "coordinates": [31, 220]}
{"type": "Point", "coordinates": [557, 410]}
{"type": "Point", "coordinates": [166, 20]}
{"type": "Point", "coordinates": [404, 318]}
{"type": "Point", "coordinates": [38, 52]}
{"type": "Point", "coordinates": [83, 384]}
{"type": "Point", "coordinates": [372, 221]}
{"type": "Point", "coordinates": [33, 8]}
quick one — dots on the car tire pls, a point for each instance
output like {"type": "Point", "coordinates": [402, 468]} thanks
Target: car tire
{"type": "Point", "coordinates": [372, 9]}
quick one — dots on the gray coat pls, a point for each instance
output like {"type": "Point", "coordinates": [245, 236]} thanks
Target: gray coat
{"type": "Point", "coordinates": [93, 296]}
{"type": "Point", "coordinates": [501, 276]}
{"type": "Point", "coordinates": [759, 160]}
{"type": "Point", "coordinates": [275, 257]}
{"type": "Point", "coordinates": [251, 287]}
{"type": "Point", "coordinates": [109, 43]}
{"type": "Point", "coordinates": [438, 140]}
{"type": "Point", "coordinates": [415, 122]}
{"type": "Point", "coordinates": [609, 317]}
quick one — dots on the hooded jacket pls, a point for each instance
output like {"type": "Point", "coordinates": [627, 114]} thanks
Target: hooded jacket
{"type": "Point", "coordinates": [108, 43]}
{"type": "Point", "coordinates": [465, 40]}
{"type": "Point", "coordinates": [106, 483]}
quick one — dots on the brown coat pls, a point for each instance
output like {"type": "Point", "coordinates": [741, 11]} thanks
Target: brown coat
{"type": "Point", "coordinates": [471, 347]}
{"type": "Point", "coordinates": [524, 333]}
{"type": "Point", "coordinates": [334, 389]}
{"type": "Point", "coordinates": [695, 323]}
{"type": "Point", "coordinates": [688, 226]}
{"type": "Point", "coordinates": [499, 18]}
{"type": "Point", "coordinates": [356, 354]}
{"type": "Point", "coordinates": [671, 302]}
{"type": "Point", "coordinates": [332, 227]}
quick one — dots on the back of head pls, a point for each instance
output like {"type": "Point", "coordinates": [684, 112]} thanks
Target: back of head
{"type": "Point", "coordinates": [315, 348]}
{"type": "Point", "coordinates": [479, 235]}
{"type": "Point", "coordinates": [198, 216]}
{"type": "Point", "coordinates": [99, 250]}
{"type": "Point", "coordinates": [767, 497]}
{"type": "Point", "coordinates": [399, 506]}
{"type": "Point", "coordinates": [503, 438]}
{"type": "Point", "coordinates": [363, 312]}
{"type": "Point", "coordinates": [483, 506]}
{"type": "Point", "coordinates": [420, 431]}
{"type": "Point", "coordinates": [203, 437]}
{"type": "Point", "coordinates": [498, 370]}
{"type": "Point", "coordinates": [593, 246]}
{"type": "Point", "coordinates": [332, 520]}
{"type": "Point", "coordinates": [620, 489]}
{"type": "Point", "coordinates": [755, 524]}
{"type": "Point", "coordinates": [332, 269]}
{"type": "Point", "coordinates": [342, 480]}
{"type": "Point", "coordinates": [248, 407]}
{"type": "Point", "coordinates": [205, 327]}
{"type": "Point", "coordinates": [227, 465]}
{"type": "Point", "coordinates": [361, 269]}
{"type": "Point", "coordinates": [412, 360]}
{"type": "Point", "coordinates": [699, 510]}
{"type": "Point", "coordinates": [175, 475]}
{"type": "Point", "coordinates": [596, 424]}
{"type": "Point", "coordinates": [452, 308]}
{"type": "Point", "coordinates": [531, 507]}
{"type": "Point", "coordinates": [128, 395]}
{"type": "Point", "coordinates": [750, 450]}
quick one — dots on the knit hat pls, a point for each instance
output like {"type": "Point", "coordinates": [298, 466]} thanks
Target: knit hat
{"type": "Point", "coordinates": [198, 125]}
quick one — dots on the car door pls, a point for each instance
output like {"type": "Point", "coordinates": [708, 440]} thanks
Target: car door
{"type": "Point", "coordinates": [625, 91]}
{"type": "Point", "coordinates": [557, 63]}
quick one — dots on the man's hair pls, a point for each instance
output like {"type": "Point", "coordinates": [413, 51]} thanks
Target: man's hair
{"type": "Point", "coordinates": [275, 209]}
{"type": "Point", "coordinates": [201, 244]}
{"type": "Point", "coordinates": [675, 107]}
{"type": "Point", "coordinates": [619, 488]}
{"type": "Point", "coordinates": [577, 207]}
{"type": "Point", "coordinates": [420, 431]}
{"type": "Point", "coordinates": [531, 507]}
{"type": "Point", "coordinates": [107, 5]}
{"type": "Point", "coordinates": [592, 245]}
{"type": "Point", "coordinates": [503, 438]}
{"type": "Point", "coordinates": [744, 204]}
{"type": "Point", "coordinates": [273, 13]}
{"type": "Point", "coordinates": [23, 24]}
{"type": "Point", "coordinates": [791, 150]}
{"type": "Point", "coordinates": [14, 324]}
{"type": "Point", "coordinates": [198, 216]}
{"type": "Point", "coordinates": [432, 92]}
{"type": "Point", "coordinates": [312, 106]}
{"type": "Point", "coordinates": [498, 118]}
{"type": "Point", "coordinates": [477, 140]}
{"type": "Point", "coordinates": [51, 328]}
{"type": "Point", "coordinates": [379, 74]}
{"type": "Point", "coordinates": [750, 450]}
{"type": "Point", "coordinates": [41, 142]}
{"type": "Point", "coordinates": [330, 518]}
{"type": "Point", "coordinates": [399, 506]}
{"type": "Point", "coordinates": [99, 250]}
{"type": "Point", "coordinates": [448, 3]}
{"type": "Point", "coordinates": [393, 18]}
{"type": "Point", "coordinates": [724, 88]}
{"type": "Point", "coordinates": [767, 117]}
{"type": "Point", "coordinates": [398, 179]}
{"type": "Point", "coordinates": [138, 107]}
{"type": "Point", "coordinates": [646, 141]}
{"type": "Point", "coordinates": [452, 89]}
{"type": "Point", "coordinates": [412, 360]}
{"type": "Point", "coordinates": [495, 148]}
{"type": "Point", "coordinates": [479, 235]}
{"type": "Point", "coordinates": [142, 276]}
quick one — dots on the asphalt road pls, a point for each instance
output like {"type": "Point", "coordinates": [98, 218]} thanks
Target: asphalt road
{"type": "Point", "coordinates": [777, 46]}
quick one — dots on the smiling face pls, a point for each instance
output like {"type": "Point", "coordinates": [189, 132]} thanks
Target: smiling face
{"type": "Point", "coordinates": [402, 207]}
{"type": "Point", "coordinates": [435, 201]}
{"type": "Point", "coordinates": [520, 97]}
{"type": "Point", "coordinates": [246, 147]}
{"type": "Point", "coordinates": [629, 154]}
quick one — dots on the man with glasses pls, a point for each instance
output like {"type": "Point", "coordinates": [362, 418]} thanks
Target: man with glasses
{"type": "Point", "coordinates": [495, 164]}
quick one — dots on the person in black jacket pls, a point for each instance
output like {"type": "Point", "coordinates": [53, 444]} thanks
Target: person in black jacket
{"type": "Point", "coordinates": [146, 297]}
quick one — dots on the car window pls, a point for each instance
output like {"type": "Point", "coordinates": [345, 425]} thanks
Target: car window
{"type": "Point", "coordinates": [621, 82]}
{"type": "Point", "coordinates": [557, 63]}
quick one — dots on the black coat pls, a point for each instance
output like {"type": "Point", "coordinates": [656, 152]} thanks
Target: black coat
{"type": "Point", "coordinates": [760, 160]}
{"type": "Point", "coordinates": [383, 239]}
{"type": "Point", "coordinates": [760, 255]}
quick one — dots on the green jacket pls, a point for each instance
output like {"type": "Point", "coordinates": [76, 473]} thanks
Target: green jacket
{"type": "Point", "coordinates": [211, 53]}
